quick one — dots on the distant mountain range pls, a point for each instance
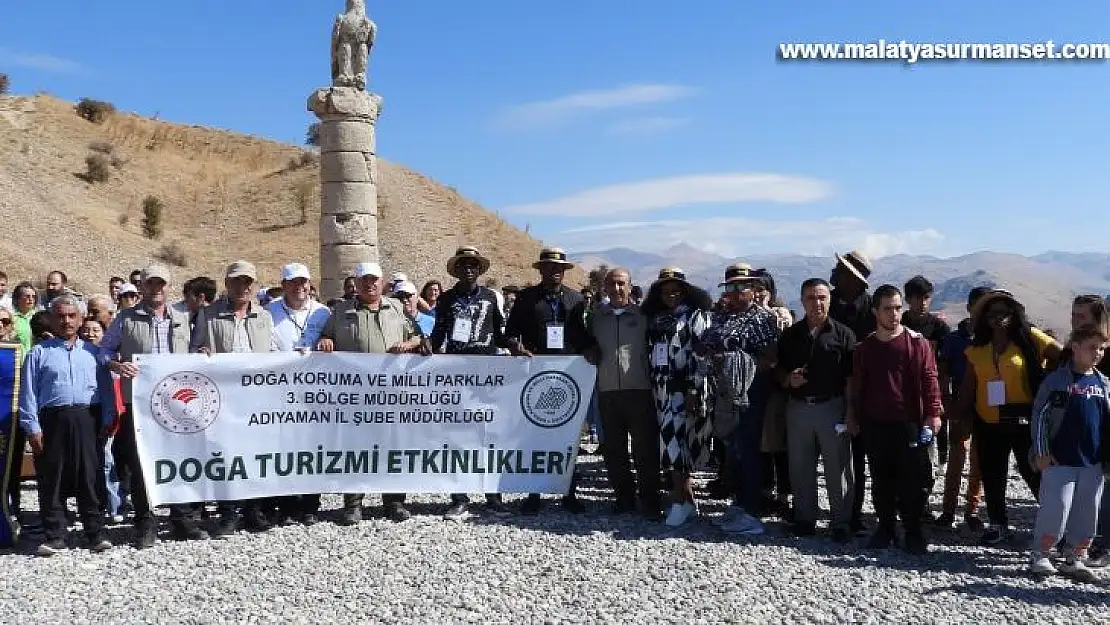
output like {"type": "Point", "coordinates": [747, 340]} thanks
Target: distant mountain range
{"type": "Point", "coordinates": [1045, 283]}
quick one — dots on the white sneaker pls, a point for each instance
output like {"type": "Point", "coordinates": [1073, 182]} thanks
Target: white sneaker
{"type": "Point", "coordinates": [680, 513]}
{"type": "Point", "coordinates": [1099, 562]}
{"type": "Point", "coordinates": [1040, 565]}
{"type": "Point", "coordinates": [1075, 569]}
{"type": "Point", "coordinates": [746, 525]}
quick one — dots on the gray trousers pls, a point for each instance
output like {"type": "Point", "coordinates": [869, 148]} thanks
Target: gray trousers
{"type": "Point", "coordinates": [1070, 498]}
{"type": "Point", "coordinates": [811, 432]}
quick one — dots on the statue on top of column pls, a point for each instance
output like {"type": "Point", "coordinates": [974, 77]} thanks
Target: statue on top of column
{"type": "Point", "coordinates": [351, 41]}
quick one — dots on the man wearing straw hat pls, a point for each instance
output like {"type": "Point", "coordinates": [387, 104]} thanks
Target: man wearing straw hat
{"type": "Point", "coordinates": [851, 305]}
{"type": "Point", "coordinates": [469, 320]}
{"type": "Point", "coordinates": [549, 319]}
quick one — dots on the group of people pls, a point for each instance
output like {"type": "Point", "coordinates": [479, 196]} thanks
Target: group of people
{"type": "Point", "coordinates": [869, 382]}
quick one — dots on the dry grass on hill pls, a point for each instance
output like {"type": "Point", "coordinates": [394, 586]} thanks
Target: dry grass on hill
{"type": "Point", "coordinates": [225, 195]}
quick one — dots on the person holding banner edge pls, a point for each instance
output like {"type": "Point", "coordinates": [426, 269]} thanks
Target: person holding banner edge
{"type": "Point", "coordinates": [549, 319]}
{"type": "Point", "coordinates": [469, 320]}
{"type": "Point", "coordinates": [374, 325]}
{"type": "Point", "coordinates": [150, 327]}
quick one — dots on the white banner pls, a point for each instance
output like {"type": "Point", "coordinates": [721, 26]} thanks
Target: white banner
{"type": "Point", "coordinates": [240, 426]}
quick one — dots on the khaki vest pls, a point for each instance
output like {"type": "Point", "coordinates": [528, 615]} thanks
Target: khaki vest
{"type": "Point", "coordinates": [136, 337]}
{"type": "Point", "coordinates": [215, 328]}
{"type": "Point", "coordinates": [350, 326]}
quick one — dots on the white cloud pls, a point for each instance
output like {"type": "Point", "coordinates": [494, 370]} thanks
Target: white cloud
{"type": "Point", "coordinates": [39, 61]}
{"type": "Point", "coordinates": [659, 193]}
{"type": "Point", "coordinates": [737, 236]}
{"type": "Point", "coordinates": [548, 112]}
{"type": "Point", "coordinates": [648, 126]}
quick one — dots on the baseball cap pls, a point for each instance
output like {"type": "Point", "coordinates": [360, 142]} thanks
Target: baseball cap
{"type": "Point", "coordinates": [155, 270]}
{"type": "Point", "coordinates": [405, 287]}
{"type": "Point", "coordinates": [127, 289]}
{"type": "Point", "coordinates": [397, 277]}
{"type": "Point", "coordinates": [292, 271]}
{"type": "Point", "coordinates": [241, 268]}
{"type": "Point", "coordinates": [368, 269]}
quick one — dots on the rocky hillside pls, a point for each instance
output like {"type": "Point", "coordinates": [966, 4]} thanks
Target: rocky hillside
{"type": "Point", "coordinates": [225, 195]}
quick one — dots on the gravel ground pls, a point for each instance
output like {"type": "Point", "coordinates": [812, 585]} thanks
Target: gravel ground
{"type": "Point", "coordinates": [554, 568]}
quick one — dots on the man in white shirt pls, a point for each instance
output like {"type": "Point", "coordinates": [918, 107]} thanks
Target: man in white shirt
{"type": "Point", "coordinates": [298, 322]}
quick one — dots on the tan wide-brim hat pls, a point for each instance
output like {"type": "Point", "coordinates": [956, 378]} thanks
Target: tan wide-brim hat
{"type": "Point", "coordinates": [856, 262]}
{"type": "Point", "coordinates": [987, 299]}
{"type": "Point", "coordinates": [467, 252]}
{"type": "Point", "coordinates": [671, 274]}
{"type": "Point", "coordinates": [552, 256]}
{"type": "Point", "coordinates": [740, 272]}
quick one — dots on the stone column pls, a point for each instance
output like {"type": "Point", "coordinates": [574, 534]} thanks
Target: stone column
{"type": "Point", "coordinates": [348, 183]}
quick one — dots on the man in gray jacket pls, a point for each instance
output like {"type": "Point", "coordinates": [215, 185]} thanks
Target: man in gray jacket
{"type": "Point", "coordinates": [617, 330]}
{"type": "Point", "coordinates": [236, 323]}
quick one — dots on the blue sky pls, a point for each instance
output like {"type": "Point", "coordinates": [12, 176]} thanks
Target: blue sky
{"type": "Point", "coordinates": [603, 124]}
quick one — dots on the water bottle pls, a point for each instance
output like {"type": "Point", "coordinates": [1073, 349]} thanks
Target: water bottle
{"type": "Point", "coordinates": [926, 436]}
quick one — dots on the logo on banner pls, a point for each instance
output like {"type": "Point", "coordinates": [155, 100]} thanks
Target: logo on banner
{"type": "Point", "coordinates": [185, 403]}
{"type": "Point", "coordinates": [550, 399]}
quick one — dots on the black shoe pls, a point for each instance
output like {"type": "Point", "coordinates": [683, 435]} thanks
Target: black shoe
{"type": "Point", "coordinates": [225, 527]}
{"type": "Point", "coordinates": [309, 519]}
{"type": "Point", "coordinates": [188, 531]}
{"type": "Point", "coordinates": [456, 511]}
{"type": "Point", "coordinates": [993, 536]}
{"type": "Point", "coordinates": [97, 544]}
{"type": "Point", "coordinates": [946, 521]}
{"type": "Point", "coordinates": [857, 527]}
{"type": "Point", "coordinates": [147, 535]}
{"type": "Point", "coordinates": [883, 538]}
{"type": "Point", "coordinates": [50, 548]}
{"type": "Point", "coordinates": [916, 544]}
{"type": "Point", "coordinates": [496, 507]}
{"type": "Point", "coordinates": [928, 517]}
{"type": "Point", "coordinates": [624, 506]}
{"type": "Point", "coordinates": [531, 506]}
{"type": "Point", "coordinates": [803, 529]}
{"type": "Point", "coordinates": [351, 516]}
{"type": "Point", "coordinates": [974, 523]}
{"type": "Point", "coordinates": [841, 535]}
{"type": "Point", "coordinates": [255, 521]}
{"type": "Point", "coordinates": [398, 513]}
{"type": "Point", "coordinates": [572, 505]}
{"type": "Point", "coordinates": [717, 489]}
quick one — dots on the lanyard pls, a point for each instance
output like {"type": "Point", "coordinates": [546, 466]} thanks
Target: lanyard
{"type": "Point", "coordinates": [290, 313]}
{"type": "Point", "coordinates": [555, 302]}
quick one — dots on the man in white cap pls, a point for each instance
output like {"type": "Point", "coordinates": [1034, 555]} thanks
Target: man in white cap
{"type": "Point", "coordinates": [371, 324]}
{"type": "Point", "coordinates": [236, 324]}
{"type": "Point", "coordinates": [128, 296]}
{"type": "Point", "coordinates": [149, 327]}
{"type": "Point", "coordinates": [406, 294]}
{"type": "Point", "coordinates": [298, 322]}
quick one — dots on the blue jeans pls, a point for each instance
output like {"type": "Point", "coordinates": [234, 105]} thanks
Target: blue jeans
{"type": "Point", "coordinates": [744, 467]}
{"type": "Point", "coordinates": [114, 500]}
{"type": "Point", "coordinates": [593, 417]}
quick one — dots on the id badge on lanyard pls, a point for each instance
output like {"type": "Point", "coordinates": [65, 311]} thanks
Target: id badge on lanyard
{"type": "Point", "coordinates": [555, 335]}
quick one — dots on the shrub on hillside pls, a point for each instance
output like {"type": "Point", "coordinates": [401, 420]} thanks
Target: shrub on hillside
{"type": "Point", "coordinates": [173, 254]}
{"type": "Point", "coordinates": [123, 220]}
{"type": "Point", "coordinates": [306, 159]}
{"type": "Point", "coordinates": [152, 217]}
{"type": "Point", "coordinates": [102, 147]}
{"type": "Point", "coordinates": [95, 111]}
{"type": "Point", "coordinates": [98, 167]}
{"type": "Point", "coordinates": [5, 84]}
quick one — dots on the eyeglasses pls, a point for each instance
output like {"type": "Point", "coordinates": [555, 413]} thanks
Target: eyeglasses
{"type": "Point", "coordinates": [737, 287]}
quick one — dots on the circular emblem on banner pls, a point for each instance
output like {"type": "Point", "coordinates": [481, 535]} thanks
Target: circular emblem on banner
{"type": "Point", "coordinates": [550, 399]}
{"type": "Point", "coordinates": [185, 403]}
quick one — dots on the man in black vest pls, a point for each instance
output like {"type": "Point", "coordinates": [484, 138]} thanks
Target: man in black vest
{"type": "Point", "coordinates": [549, 319]}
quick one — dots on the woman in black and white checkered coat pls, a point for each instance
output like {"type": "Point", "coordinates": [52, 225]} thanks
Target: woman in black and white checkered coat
{"type": "Point", "coordinates": [678, 314]}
